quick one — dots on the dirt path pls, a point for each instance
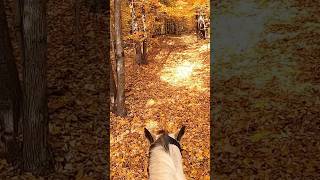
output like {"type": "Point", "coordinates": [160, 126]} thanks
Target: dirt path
{"type": "Point", "coordinates": [171, 91]}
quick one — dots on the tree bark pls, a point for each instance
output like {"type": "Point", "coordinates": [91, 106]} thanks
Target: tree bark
{"type": "Point", "coordinates": [17, 12]}
{"type": "Point", "coordinates": [18, 26]}
{"type": "Point", "coordinates": [144, 52]}
{"type": "Point", "coordinates": [35, 152]}
{"type": "Point", "coordinates": [11, 95]}
{"type": "Point", "coordinates": [112, 85]}
{"type": "Point", "coordinates": [113, 89]}
{"type": "Point", "coordinates": [120, 100]}
{"type": "Point", "coordinates": [134, 29]}
{"type": "Point", "coordinates": [144, 43]}
{"type": "Point", "coordinates": [76, 4]}
{"type": "Point", "coordinates": [134, 24]}
{"type": "Point", "coordinates": [138, 52]}
{"type": "Point", "coordinates": [113, 47]}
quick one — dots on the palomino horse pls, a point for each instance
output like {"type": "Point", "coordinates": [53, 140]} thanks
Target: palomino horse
{"type": "Point", "coordinates": [165, 159]}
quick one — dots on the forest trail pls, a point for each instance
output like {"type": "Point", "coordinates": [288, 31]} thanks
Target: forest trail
{"type": "Point", "coordinates": [171, 91]}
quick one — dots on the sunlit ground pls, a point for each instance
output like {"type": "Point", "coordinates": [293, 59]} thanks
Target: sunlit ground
{"type": "Point", "coordinates": [205, 47]}
{"type": "Point", "coordinates": [185, 74]}
{"type": "Point", "coordinates": [152, 124]}
{"type": "Point", "coordinates": [187, 68]}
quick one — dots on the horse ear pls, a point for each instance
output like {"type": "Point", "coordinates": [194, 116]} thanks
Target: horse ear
{"type": "Point", "coordinates": [178, 135]}
{"type": "Point", "coordinates": [149, 136]}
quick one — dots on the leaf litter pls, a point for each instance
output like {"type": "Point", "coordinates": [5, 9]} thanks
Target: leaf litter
{"type": "Point", "coordinates": [171, 91]}
{"type": "Point", "coordinates": [269, 130]}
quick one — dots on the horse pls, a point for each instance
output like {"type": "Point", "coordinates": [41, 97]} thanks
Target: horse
{"type": "Point", "coordinates": [165, 158]}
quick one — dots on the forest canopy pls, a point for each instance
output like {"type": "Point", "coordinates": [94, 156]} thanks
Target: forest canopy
{"type": "Point", "coordinates": [156, 11]}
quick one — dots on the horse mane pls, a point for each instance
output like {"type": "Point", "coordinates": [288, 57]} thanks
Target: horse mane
{"type": "Point", "coordinates": [162, 131]}
{"type": "Point", "coordinates": [165, 160]}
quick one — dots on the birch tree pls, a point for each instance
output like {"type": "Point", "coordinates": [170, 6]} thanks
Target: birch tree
{"type": "Point", "coordinates": [134, 30]}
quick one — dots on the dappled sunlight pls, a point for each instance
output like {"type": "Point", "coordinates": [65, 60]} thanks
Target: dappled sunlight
{"type": "Point", "coordinates": [150, 103]}
{"type": "Point", "coordinates": [187, 74]}
{"type": "Point", "coordinates": [189, 39]}
{"type": "Point", "coordinates": [160, 55]}
{"type": "Point", "coordinates": [151, 124]}
{"type": "Point", "coordinates": [183, 71]}
{"type": "Point", "coordinates": [169, 124]}
{"type": "Point", "coordinates": [205, 47]}
{"type": "Point", "coordinates": [170, 42]}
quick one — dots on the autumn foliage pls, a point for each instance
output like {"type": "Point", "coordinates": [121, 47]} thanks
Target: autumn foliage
{"type": "Point", "coordinates": [170, 91]}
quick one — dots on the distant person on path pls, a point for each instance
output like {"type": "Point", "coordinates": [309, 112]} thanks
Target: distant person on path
{"type": "Point", "coordinates": [201, 27]}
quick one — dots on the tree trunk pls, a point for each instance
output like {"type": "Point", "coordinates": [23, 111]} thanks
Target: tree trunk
{"type": "Point", "coordinates": [144, 43]}
{"type": "Point", "coordinates": [134, 29]}
{"type": "Point", "coordinates": [112, 41]}
{"type": "Point", "coordinates": [35, 152]}
{"type": "Point", "coordinates": [76, 4]}
{"type": "Point", "coordinates": [113, 48]}
{"type": "Point", "coordinates": [17, 12]}
{"type": "Point", "coordinates": [144, 52]}
{"type": "Point", "coordinates": [138, 52]}
{"type": "Point", "coordinates": [134, 24]}
{"type": "Point", "coordinates": [18, 25]}
{"type": "Point", "coordinates": [120, 100]}
{"type": "Point", "coordinates": [10, 96]}
{"type": "Point", "coordinates": [113, 89]}
{"type": "Point", "coordinates": [112, 85]}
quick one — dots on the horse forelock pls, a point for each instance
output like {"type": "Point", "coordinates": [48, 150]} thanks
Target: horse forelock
{"type": "Point", "coordinates": [162, 141]}
{"type": "Point", "coordinates": [162, 131]}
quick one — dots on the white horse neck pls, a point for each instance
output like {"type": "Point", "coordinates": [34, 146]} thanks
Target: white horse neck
{"type": "Point", "coordinates": [164, 165]}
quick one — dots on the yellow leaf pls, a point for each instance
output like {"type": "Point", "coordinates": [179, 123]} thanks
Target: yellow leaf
{"type": "Point", "coordinates": [259, 135]}
{"type": "Point", "coordinates": [150, 102]}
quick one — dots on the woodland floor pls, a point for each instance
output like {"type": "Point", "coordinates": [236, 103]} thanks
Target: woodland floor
{"type": "Point", "coordinates": [171, 91]}
{"type": "Point", "coordinates": [265, 94]}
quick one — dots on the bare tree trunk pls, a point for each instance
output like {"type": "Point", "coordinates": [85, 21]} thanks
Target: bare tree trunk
{"type": "Point", "coordinates": [120, 100]}
{"type": "Point", "coordinates": [144, 43]}
{"type": "Point", "coordinates": [76, 4]}
{"type": "Point", "coordinates": [112, 85]}
{"type": "Point", "coordinates": [17, 12]}
{"type": "Point", "coordinates": [18, 26]}
{"type": "Point", "coordinates": [138, 52]}
{"type": "Point", "coordinates": [134, 24]}
{"type": "Point", "coordinates": [113, 89]}
{"type": "Point", "coordinates": [11, 95]}
{"type": "Point", "coordinates": [113, 49]}
{"type": "Point", "coordinates": [112, 41]}
{"type": "Point", "coordinates": [144, 52]}
{"type": "Point", "coordinates": [134, 29]}
{"type": "Point", "coordinates": [35, 152]}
